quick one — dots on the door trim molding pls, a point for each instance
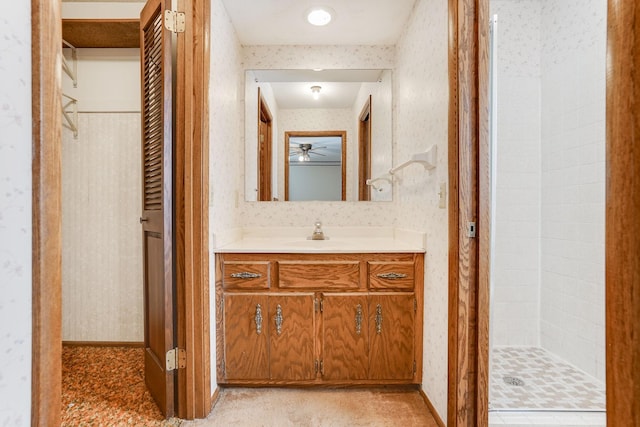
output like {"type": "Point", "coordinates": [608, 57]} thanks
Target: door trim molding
{"type": "Point", "coordinates": [46, 351]}
{"type": "Point", "coordinates": [622, 264]}
{"type": "Point", "coordinates": [462, 407]}
{"type": "Point", "coordinates": [193, 296]}
{"type": "Point", "coordinates": [192, 210]}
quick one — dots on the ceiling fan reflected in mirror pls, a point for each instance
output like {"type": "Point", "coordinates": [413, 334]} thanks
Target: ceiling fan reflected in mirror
{"type": "Point", "coordinates": [304, 151]}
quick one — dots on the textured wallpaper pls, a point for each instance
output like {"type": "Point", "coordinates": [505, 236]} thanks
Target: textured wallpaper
{"type": "Point", "coordinates": [303, 57]}
{"type": "Point", "coordinates": [421, 99]}
{"type": "Point", "coordinates": [226, 151]}
{"type": "Point", "coordinates": [15, 213]}
{"type": "Point", "coordinates": [102, 292]}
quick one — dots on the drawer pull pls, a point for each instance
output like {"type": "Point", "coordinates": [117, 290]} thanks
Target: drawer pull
{"type": "Point", "coordinates": [379, 319]}
{"type": "Point", "coordinates": [258, 319]}
{"type": "Point", "coordinates": [245, 275]}
{"type": "Point", "coordinates": [358, 319]}
{"type": "Point", "coordinates": [279, 319]}
{"type": "Point", "coordinates": [392, 276]}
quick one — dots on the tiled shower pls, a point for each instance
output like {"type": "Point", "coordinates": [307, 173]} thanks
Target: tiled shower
{"type": "Point", "coordinates": [547, 290]}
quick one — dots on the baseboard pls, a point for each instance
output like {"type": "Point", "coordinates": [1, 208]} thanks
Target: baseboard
{"type": "Point", "coordinates": [103, 344]}
{"type": "Point", "coordinates": [214, 398]}
{"type": "Point", "coordinates": [432, 408]}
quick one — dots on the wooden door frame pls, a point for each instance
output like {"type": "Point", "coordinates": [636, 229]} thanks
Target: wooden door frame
{"type": "Point", "coordinates": [263, 110]}
{"type": "Point", "coordinates": [469, 201]}
{"type": "Point", "coordinates": [622, 246]}
{"type": "Point", "coordinates": [337, 133]}
{"type": "Point", "coordinates": [364, 151]}
{"type": "Point", "coordinates": [192, 212]}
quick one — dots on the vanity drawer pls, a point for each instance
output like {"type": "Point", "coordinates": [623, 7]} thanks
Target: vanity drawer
{"type": "Point", "coordinates": [319, 274]}
{"type": "Point", "coordinates": [246, 275]}
{"type": "Point", "coordinates": [396, 275]}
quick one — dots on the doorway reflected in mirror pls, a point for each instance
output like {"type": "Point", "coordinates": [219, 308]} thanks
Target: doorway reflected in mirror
{"type": "Point", "coordinates": [315, 165]}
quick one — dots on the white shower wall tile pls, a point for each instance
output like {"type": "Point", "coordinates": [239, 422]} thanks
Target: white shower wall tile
{"type": "Point", "coordinates": [515, 319]}
{"type": "Point", "coordinates": [15, 213]}
{"type": "Point", "coordinates": [566, 62]}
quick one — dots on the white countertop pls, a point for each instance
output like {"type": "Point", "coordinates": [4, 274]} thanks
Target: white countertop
{"type": "Point", "coordinates": [341, 240]}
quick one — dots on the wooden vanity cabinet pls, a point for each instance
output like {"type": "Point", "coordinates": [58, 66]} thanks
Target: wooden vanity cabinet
{"type": "Point", "coordinates": [345, 336]}
{"type": "Point", "coordinates": [269, 337]}
{"type": "Point", "coordinates": [391, 336]}
{"type": "Point", "coordinates": [247, 336]}
{"type": "Point", "coordinates": [319, 318]}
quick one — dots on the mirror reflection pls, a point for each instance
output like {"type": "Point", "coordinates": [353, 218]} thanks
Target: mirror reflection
{"type": "Point", "coordinates": [315, 169]}
{"type": "Point", "coordinates": [302, 114]}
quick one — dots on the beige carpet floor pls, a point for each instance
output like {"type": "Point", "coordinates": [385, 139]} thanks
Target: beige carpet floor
{"type": "Point", "coordinates": [317, 408]}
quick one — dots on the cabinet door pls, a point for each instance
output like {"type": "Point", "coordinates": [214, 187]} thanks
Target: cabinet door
{"type": "Point", "coordinates": [292, 333]}
{"type": "Point", "coordinates": [345, 337]}
{"type": "Point", "coordinates": [246, 335]}
{"type": "Point", "coordinates": [391, 336]}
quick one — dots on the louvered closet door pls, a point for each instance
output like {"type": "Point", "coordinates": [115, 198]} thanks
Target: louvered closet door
{"type": "Point", "coordinates": [156, 219]}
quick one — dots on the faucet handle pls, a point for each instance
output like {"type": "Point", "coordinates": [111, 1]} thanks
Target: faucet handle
{"type": "Point", "coordinates": [317, 232]}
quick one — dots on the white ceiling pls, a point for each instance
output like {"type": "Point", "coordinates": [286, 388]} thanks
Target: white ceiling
{"type": "Point", "coordinates": [355, 22]}
{"type": "Point", "coordinates": [292, 88]}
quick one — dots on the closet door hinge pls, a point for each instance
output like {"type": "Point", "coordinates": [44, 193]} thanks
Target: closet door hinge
{"type": "Point", "coordinates": [174, 21]}
{"type": "Point", "coordinates": [176, 359]}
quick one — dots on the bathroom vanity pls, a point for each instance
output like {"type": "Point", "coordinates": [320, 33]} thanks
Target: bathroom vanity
{"type": "Point", "coordinates": [319, 312]}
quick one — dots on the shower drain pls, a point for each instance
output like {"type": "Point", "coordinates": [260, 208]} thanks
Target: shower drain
{"type": "Point", "coordinates": [513, 381]}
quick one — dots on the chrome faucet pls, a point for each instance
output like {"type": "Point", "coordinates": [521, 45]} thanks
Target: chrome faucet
{"type": "Point", "coordinates": [318, 234]}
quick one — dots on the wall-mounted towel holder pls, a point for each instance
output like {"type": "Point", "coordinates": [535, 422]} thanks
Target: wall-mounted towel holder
{"type": "Point", "coordinates": [427, 158]}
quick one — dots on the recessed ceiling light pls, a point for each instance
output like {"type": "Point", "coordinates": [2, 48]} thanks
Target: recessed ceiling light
{"type": "Point", "coordinates": [319, 16]}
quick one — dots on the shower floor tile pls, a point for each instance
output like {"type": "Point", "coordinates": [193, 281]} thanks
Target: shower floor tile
{"type": "Point", "coordinates": [544, 382]}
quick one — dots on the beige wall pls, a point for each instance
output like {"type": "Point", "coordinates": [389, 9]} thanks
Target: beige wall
{"type": "Point", "coordinates": [15, 213]}
{"type": "Point", "coordinates": [101, 237]}
{"type": "Point", "coordinates": [421, 100]}
{"type": "Point", "coordinates": [226, 178]}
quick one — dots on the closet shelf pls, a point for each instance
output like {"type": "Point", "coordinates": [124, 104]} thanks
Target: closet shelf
{"type": "Point", "coordinates": [102, 33]}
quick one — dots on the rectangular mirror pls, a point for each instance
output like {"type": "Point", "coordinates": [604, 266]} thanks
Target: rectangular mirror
{"type": "Point", "coordinates": [285, 107]}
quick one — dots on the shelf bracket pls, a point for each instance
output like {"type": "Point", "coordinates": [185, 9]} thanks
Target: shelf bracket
{"type": "Point", "coordinates": [70, 70]}
{"type": "Point", "coordinates": [70, 114]}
